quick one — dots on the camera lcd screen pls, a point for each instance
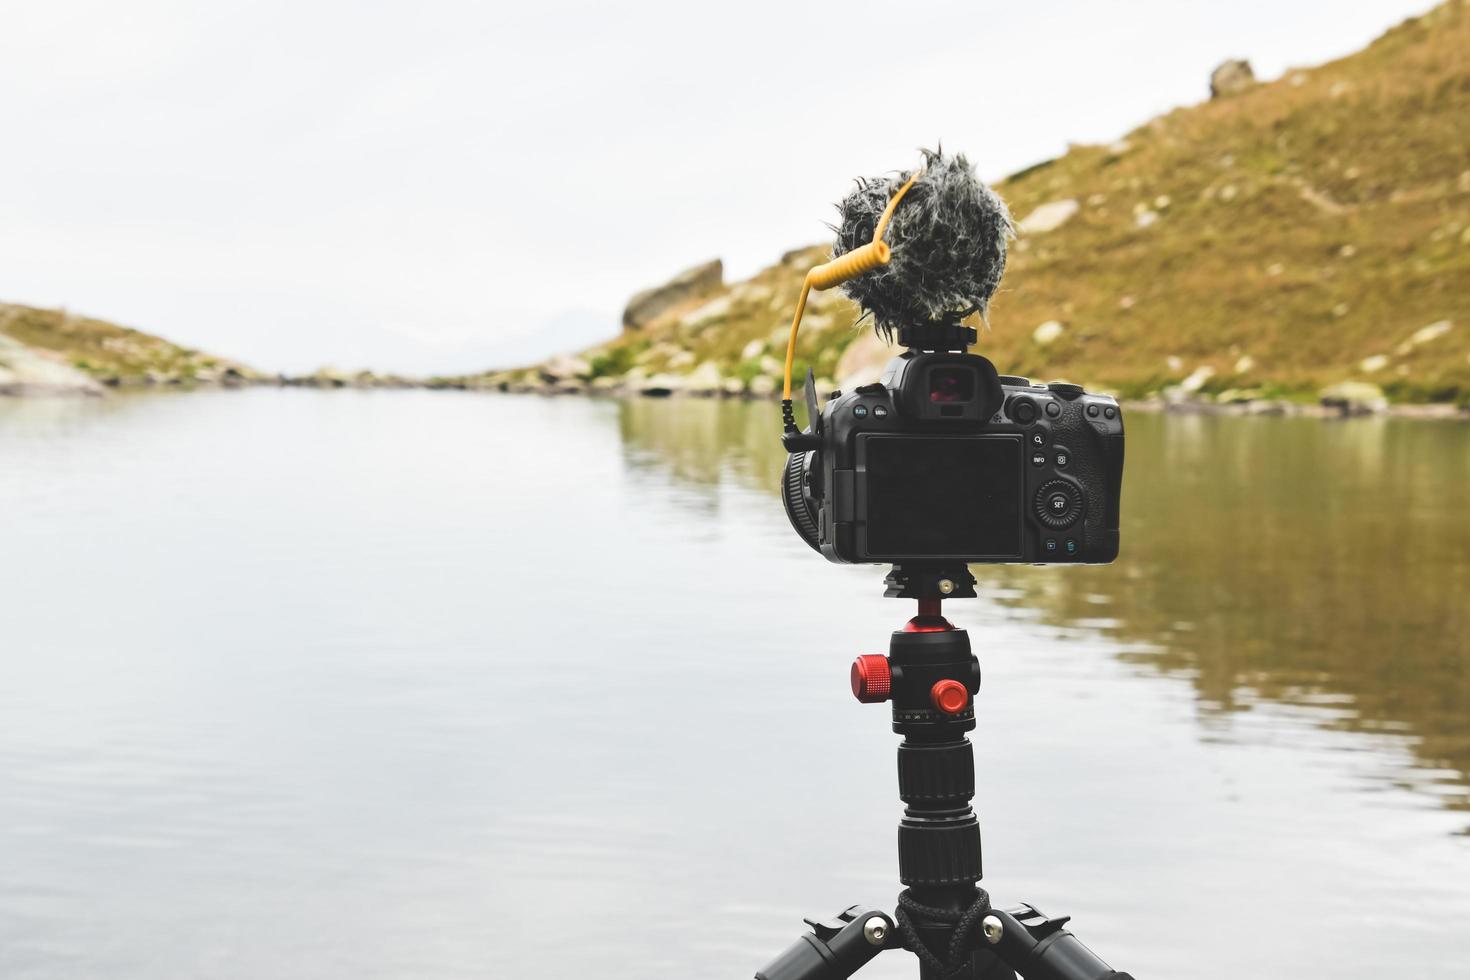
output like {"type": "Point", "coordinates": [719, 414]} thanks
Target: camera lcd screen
{"type": "Point", "coordinates": [945, 496]}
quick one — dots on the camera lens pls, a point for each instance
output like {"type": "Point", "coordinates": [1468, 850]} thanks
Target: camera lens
{"type": "Point", "coordinates": [951, 385]}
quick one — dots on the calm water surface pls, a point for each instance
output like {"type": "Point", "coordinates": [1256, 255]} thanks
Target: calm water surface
{"type": "Point", "coordinates": [405, 684]}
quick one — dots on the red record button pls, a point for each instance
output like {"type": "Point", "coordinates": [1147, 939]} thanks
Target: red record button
{"type": "Point", "coordinates": [872, 680]}
{"type": "Point", "coordinates": [949, 696]}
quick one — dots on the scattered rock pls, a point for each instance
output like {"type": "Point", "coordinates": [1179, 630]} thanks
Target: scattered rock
{"type": "Point", "coordinates": [1432, 332]}
{"type": "Point", "coordinates": [753, 350]}
{"type": "Point", "coordinates": [565, 368]}
{"type": "Point", "coordinates": [1162, 202]}
{"type": "Point", "coordinates": [1126, 302]}
{"type": "Point", "coordinates": [1228, 192]}
{"type": "Point", "coordinates": [697, 283]}
{"type": "Point", "coordinates": [661, 386]}
{"type": "Point", "coordinates": [1275, 269]}
{"type": "Point", "coordinates": [1341, 310]}
{"type": "Point", "coordinates": [716, 309]}
{"type": "Point", "coordinates": [705, 379]}
{"type": "Point", "coordinates": [1321, 201]}
{"type": "Point", "coordinates": [1376, 362]}
{"type": "Point", "coordinates": [1175, 363]}
{"type": "Point", "coordinates": [1197, 379]}
{"type": "Point", "coordinates": [1231, 77]}
{"type": "Point", "coordinates": [1048, 217]}
{"type": "Point", "coordinates": [1047, 332]}
{"type": "Point", "coordinates": [1245, 364]}
{"type": "Point", "coordinates": [1354, 398]}
{"type": "Point", "coordinates": [1347, 251]}
{"type": "Point", "coordinates": [764, 386]}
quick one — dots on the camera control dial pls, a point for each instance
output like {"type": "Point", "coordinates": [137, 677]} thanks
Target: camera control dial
{"type": "Point", "coordinates": [1058, 504]}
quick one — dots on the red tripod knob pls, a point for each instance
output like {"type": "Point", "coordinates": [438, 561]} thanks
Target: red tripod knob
{"type": "Point", "coordinates": [949, 696]}
{"type": "Point", "coordinates": [872, 680]}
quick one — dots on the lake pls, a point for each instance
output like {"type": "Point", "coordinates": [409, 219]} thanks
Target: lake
{"type": "Point", "coordinates": [300, 684]}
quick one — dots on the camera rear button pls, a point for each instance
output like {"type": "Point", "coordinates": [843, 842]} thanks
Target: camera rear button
{"type": "Point", "coordinates": [1038, 459]}
{"type": "Point", "coordinates": [1053, 410]}
{"type": "Point", "coordinates": [1092, 411]}
{"type": "Point", "coordinates": [1022, 410]}
{"type": "Point", "coordinates": [1109, 412]}
{"type": "Point", "coordinates": [880, 411]}
{"type": "Point", "coordinates": [1038, 437]}
{"type": "Point", "coordinates": [861, 411]}
{"type": "Point", "coordinates": [1062, 460]}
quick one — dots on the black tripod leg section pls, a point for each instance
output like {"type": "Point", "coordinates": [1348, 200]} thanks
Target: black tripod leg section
{"type": "Point", "coordinates": [1038, 948]}
{"type": "Point", "coordinates": [834, 949]}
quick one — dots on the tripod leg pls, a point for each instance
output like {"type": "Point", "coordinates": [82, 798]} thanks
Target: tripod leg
{"type": "Point", "coordinates": [1038, 946]}
{"type": "Point", "coordinates": [834, 949]}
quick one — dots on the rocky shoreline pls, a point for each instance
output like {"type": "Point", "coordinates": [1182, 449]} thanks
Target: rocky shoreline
{"type": "Point", "coordinates": [1349, 400]}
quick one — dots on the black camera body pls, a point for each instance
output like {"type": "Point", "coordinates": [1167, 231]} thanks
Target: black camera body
{"type": "Point", "coordinates": [944, 461]}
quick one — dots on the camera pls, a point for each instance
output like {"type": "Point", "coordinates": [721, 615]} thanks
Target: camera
{"type": "Point", "coordinates": [944, 461]}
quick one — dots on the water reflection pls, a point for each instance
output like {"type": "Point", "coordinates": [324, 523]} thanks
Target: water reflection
{"type": "Point", "coordinates": [1274, 563]}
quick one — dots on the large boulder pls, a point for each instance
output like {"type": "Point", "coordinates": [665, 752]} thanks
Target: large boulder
{"type": "Point", "coordinates": [1231, 77]}
{"type": "Point", "coordinates": [700, 282]}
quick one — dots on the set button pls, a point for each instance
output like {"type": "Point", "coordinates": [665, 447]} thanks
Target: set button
{"type": "Point", "coordinates": [1058, 504]}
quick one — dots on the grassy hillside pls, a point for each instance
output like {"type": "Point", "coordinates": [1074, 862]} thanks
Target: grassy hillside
{"type": "Point", "coordinates": [1307, 231]}
{"type": "Point", "coordinates": [110, 354]}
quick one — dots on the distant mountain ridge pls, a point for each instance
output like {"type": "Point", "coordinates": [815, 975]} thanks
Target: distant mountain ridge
{"type": "Point", "coordinates": [1274, 241]}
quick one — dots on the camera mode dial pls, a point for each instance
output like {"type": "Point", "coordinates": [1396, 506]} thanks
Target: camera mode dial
{"type": "Point", "coordinates": [1058, 504]}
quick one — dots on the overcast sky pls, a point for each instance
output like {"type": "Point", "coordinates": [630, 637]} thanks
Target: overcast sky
{"type": "Point", "coordinates": [434, 186]}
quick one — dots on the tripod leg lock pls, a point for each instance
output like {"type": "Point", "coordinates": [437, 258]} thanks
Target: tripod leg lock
{"type": "Point", "coordinates": [835, 949]}
{"type": "Point", "coordinates": [1036, 946]}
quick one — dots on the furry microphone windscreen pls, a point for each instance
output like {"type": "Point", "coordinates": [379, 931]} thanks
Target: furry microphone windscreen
{"type": "Point", "coordinates": [948, 237]}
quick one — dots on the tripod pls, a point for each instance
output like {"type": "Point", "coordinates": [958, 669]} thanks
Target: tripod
{"type": "Point", "coordinates": [943, 917]}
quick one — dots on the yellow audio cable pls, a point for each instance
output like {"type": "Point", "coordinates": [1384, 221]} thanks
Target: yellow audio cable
{"type": "Point", "coordinates": [849, 266]}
